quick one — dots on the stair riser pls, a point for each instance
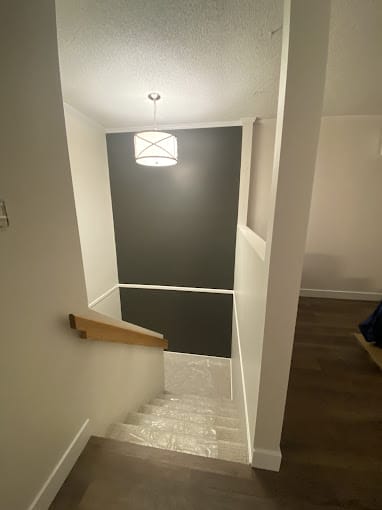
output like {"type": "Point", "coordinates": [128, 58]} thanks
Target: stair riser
{"type": "Point", "coordinates": [229, 434]}
{"type": "Point", "coordinates": [187, 424]}
{"type": "Point", "coordinates": [175, 426]}
{"type": "Point", "coordinates": [197, 409]}
{"type": "Point", "coordinates": [195, 399]}
{"type": "Point", "coordinates": [146, 436]}
{"type": "Point", "coordinates": [210, 431]}
{"type": "Point", "coordinates": [196, 418]}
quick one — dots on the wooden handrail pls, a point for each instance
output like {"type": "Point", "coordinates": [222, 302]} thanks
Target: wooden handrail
{"type": "Point", "coordinates": [118, 332]}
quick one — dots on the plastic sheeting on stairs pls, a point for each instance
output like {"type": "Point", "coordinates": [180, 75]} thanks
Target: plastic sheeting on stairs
{"type": "Point", "coordinates": [186, 423]}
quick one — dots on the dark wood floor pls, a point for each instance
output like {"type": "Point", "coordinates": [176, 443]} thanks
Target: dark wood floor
{"type": "Point", "coordinates": [332, 440]}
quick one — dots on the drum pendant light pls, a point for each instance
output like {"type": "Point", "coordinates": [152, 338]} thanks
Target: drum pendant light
{"type": "Point", "coordinates": [155, 148]}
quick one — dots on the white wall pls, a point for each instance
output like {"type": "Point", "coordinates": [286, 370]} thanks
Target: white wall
{"type": "Point", "coordinates": [51, 382]}
{"type": "Point", "coordinates": [268, 273]}
{"type": "Point", "coordinates": [247, 327]}
{"type": "Point", "coordinates": [302, 81]}
{"type": "Point", "coordinates": [344, 245]}
{"type": "Point", "coordinates": [261, 175]}
{"type": "Point", "coordinates": [344, 249]}
{"type": "Point", "coordinates": [90, 176]}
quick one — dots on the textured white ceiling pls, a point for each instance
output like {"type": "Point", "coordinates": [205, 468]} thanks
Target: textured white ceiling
{"type": "Point", "coordinates": [211, 60]}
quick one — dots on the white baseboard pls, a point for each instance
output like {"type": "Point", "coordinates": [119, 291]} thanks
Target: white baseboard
{"type": "Point", "coordinates": [266, 459]}
{"type": "Point", "coordinates": [245, 397]}
{"type": "Point", "coordinates": [48, 491]}
{"type": "Point", "coordinates": [341, 294]}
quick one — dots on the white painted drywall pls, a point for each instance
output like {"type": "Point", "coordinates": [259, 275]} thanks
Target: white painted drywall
{"type": "Point", "coordinates": [302, 81]}
{"type": "Point", "coordinates": [344, 249]}
{"type": "Point", "coordinates": [245, 169]}
{"type": "Point", "coordinates": [261, 175]}
{"type": "Point", "coordinates": [250, 300]}
{"type": "Point", "coordinates": [110, 305]}
{"type": "Point", "coordinates": [249, 303]}
{"type": "Point", "coordinates": [50, 380]}
{"type": "Point", "coordinates": [268, 275]}
{"type": "Point", "coordinates": [90, 176]}
{"type": "Point", "coordinates": [344, 244]}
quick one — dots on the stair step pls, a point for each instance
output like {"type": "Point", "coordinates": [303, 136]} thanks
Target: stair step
{"type": "Point", "coordinates": [196, 408]}
{"type": "Point", "coordinates": [190, 397]}
{"type": "Point", "coordinates": [210, 431]}
{"type": "Point", "coordinates": [234, 435]}
{"type": "Point", "coordinates": [147, 436]}
{"type": "Point", "coordinates": [185, 443]}
{"type": "Point", "coordinates": [173, 425]}
{"type": "Point", "coordinates": [225, 421]}
{"type": "Point", "coordinates": [226, 407]}
{"type": "Point", "coordinates": [186, 415]}
{"type": "Point", "coordinates": [233, 451]}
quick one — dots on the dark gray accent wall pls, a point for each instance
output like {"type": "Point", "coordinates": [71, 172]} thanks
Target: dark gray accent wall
{"type": "Point", "coordinates": [193, 322]}
{"type": "Point", "coordinates": [177, 225]}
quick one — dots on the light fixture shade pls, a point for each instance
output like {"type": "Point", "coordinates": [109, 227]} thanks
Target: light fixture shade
{"type": "Point", "coordinates": [155, 148]}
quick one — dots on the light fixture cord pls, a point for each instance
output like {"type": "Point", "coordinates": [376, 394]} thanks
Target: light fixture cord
{"type": "Point", "coordinates": [155, 114]}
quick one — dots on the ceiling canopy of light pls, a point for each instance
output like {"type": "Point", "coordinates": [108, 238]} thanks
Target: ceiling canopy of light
{"type": "Point", "coordinates": [155, 148]}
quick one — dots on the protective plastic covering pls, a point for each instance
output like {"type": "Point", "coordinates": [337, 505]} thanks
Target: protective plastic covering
{"type": "Point", "coordinates": [201, 375]}
{"type": "Point", "coordinates": [234, 452]}
{"type": "Point", "coordinates": [150, 436]}
{"type": "Point", "coordinates": [197, 406]}
{"type": "Point", "coordinates": [153, 435]}
{"type": "Point", "coordinates": [175, 426]}
{"type": "Point", "coordinates": [177, 414]}
{"type": "Point", "coordinates": [172, 397]}
{"type": "Point", "coordinates": [195, 414]}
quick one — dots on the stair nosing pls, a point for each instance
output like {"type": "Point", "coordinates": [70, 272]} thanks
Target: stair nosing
{"type": "Point", "coordinates": [236, 429]}
{"type": "Point", "coordinates": [199, 414]}
{"type": "Point", "coordinates": [217, 441]}
{"type": "Point", "coordinates": [186, 407]}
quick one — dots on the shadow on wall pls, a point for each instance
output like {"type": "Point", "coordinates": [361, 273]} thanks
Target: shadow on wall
{"type": "Point", "coordinates": [322, 271]}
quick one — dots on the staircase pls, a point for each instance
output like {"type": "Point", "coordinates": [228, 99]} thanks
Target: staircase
{"type": "Point", "coordinates": [187, 423]}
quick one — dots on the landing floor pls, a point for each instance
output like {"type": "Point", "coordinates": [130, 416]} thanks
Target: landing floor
{"type": "Point", "coordinates": [332, 440]}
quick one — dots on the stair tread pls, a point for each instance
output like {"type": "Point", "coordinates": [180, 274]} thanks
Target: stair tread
{"type": "Point", "coordinates": [197, 404]}
{"type": "Point", "coordinates": [189, 397]}
{"type": "Point", "coordinates": [137, 427]}
{"type": "Point", "coordinates": [176, 419]}
{"type": "Point", "coordinates": [186, 443]}
{"type": "Point", "coordinates": [199, 398]}
{"type": "Point", "coordinates": [187, 415]}
{"type": "Point", "coordinates": [164, 457]}
{"type": "Point", "coordinates": [186, 423]}
{"type": "Point", "coordinates": [177, 425]}
{"type": "Point", "coordinates": [172, 424]}
{"type": "Point", "coordinates": [199, 409]}
{"type": "Point", "coordinates": [163, 439]}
